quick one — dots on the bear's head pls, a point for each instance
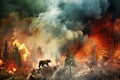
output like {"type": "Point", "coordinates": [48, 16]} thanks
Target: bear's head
{"type": "Point", "coordinates": [48, 60]}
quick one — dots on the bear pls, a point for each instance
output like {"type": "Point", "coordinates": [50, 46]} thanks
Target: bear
{"type": "Point", "coordinates": [44, 62]}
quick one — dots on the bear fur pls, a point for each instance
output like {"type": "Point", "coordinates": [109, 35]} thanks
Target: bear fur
{"type": "Point", "coordinates": [44, 62]}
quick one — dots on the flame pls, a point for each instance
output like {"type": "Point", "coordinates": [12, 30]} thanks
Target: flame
{"type": "Point", "coordinates": [102, 34]}
{"type": "Point", "coordinates": [14, 34]}
{"type": "Point", "coordinates": [1, 62]}
{"type": "Point", "coordinates": [11, 67]}
{"type": "Point", "coordinates": [12, 71]}
{"type": "Point", "coordinates": [117, 52]}
{"type": "Point", "coordinates": [100, 41]}
{"type": "Point", "coordinates": [23, 49]}
{"type": "Point", "coordinates": [117, 26]}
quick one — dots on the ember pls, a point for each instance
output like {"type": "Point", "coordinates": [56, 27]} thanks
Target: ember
{"type": "Point", "coordinates": [1, 62]}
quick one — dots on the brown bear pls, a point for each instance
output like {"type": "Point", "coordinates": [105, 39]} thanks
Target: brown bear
{"type": "Point", "coordinates": [44, 62]}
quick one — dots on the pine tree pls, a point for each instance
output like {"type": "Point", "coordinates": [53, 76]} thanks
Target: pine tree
{"type": "Point", "coordinates": [93, 59]}
{"type": "Point", "coordinates": [69, 61]}
{"type": "Point", "coordinates": [6, 52]}
{"type": "Point", "coordinates": [17, 57]}
{"type": "Point", "coordinates": [39, 52]}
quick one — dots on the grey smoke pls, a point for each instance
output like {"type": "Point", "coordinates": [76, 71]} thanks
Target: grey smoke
{"type": "Point", "coordinates": [63, 22]}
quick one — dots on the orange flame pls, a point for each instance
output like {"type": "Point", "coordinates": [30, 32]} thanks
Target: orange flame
{"type": "Point", "coordinates": [117, 26]}
{"type": "Point", "coordinates": [1, 62]}
{"type": "Point", "coordinates": [23, 49]}
{"type": "Point", "coordinates": [12, 71]}
{"type": "Point", "coordinates": [100, 40]}
{"type": "Point", "coordinates": [117, 53]}
{"type": "Point", "coordinates": [11, 67]}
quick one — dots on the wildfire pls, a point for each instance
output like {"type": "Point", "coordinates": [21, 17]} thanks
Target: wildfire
{"type": "Point", "coordinates": [117, 26]}
{"type": "Point", "coordinates": [100, 41]}
{"type": "Point", "coordinates": [11, 67]}
{"type": "Point", "coordinates": [14, 34]}
{"type": "Point", "coordinates": [23, 49]}
{"type": "Point", "coordinates": [1, 62]}
{"type": "Point", "coordinates": [117, 53]}
{"type": "Point", "coordinates": [12, 71]}
{"type": "Point", "coordinates": [102, 34]}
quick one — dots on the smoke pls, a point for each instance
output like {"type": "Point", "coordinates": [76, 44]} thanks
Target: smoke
{"type": "Point", "coordinates": [114, 7]}
{"type": "Point", "coordinates": [14, 27]}
{"type": "Point", "coordinates": [23, 7]}
{"type": "Point", "coordinates": [82, 10]}
{"type": "Point", "coordinates": [81, 72]}
{"type": "Point", "coordinates": [63, 22]}
{"type": "Point", "coordinates": [60, 25]}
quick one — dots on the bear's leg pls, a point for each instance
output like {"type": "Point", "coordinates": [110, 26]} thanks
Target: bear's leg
{"type": "Point", "coordinates": [47, 64]}
{"type": "Point", "coordinates": [42, 65]}
{"type": "Point", "coordinates": [39, 65]}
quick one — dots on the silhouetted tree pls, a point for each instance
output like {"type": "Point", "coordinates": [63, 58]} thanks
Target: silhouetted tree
{"type": "Point", "coordinates": [93, 58]}
{"type": "Point", "coordinates": [17, 56]}
{"type": "Point", "coordinates": [6, 52]}
{"type": "Point", "coordinates": [69, 61]}
{"type": "Point", "coordinates": [39, 54]}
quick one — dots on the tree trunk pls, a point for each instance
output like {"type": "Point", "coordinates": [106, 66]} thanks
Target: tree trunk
{"type": "Point", "coordinates": [70, 72]}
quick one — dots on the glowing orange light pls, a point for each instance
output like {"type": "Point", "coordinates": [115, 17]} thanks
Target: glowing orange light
{"type": "Point", "coordinates": [1, 62]}
{"type": "Point", "coordinates": [22, 47]}
{"type": "Point", "coordinates": [10, 71]}
{"type": "Point", "coordinates": [117, 25]}
{"type": "Point", "coordinates": [117, 52]}
{"type": "Point", "coordinates": [14, 69]}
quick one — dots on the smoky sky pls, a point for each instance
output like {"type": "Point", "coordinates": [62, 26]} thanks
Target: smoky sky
{"type": "Point", "coordinates": [23, 7]}
{"type": "Point", "coordinates": [59, 18]}
{"type": "Point", "coordinates": [115, 8]}
{"type": "Point", "coordinates": [63, 23]}
{"type": "Point", "coordinates": [34, 7]}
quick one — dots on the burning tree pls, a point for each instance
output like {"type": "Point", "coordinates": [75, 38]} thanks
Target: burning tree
{"type": "Point", "coordinates": [69, 61]}
{"type": "Point", "coordinates": [6, 52]}
{"type": "Point", "coordinates": [17, 57]}
{"type": "Point", "coordinates": [93, 58]}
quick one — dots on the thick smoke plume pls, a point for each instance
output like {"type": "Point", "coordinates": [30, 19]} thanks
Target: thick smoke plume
{"type": "Point", "coordinates": [64, 22]}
